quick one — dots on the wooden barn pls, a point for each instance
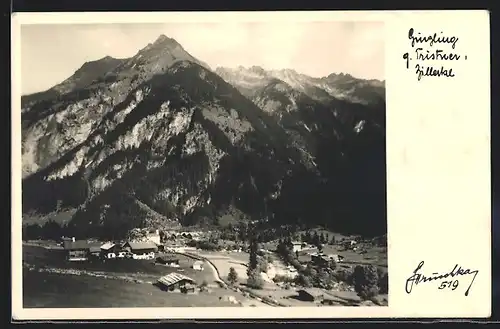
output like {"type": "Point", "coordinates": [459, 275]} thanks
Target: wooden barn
{"type": "Point", "coordinates": [169, 260]}
{"type": "Point", "coordinates": [311, 295]}
{"type": "Point", "coordinates": [95, 250]}
{"type": "Point", "coordinates": [78, 250]}
{"type": "Point", "coordinates": [175, 281]}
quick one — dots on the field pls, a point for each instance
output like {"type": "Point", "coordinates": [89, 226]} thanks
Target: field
{"type": "Point", "coordinates": [223, 261]}
{"type": "Point", "coordinates": [84, 291]}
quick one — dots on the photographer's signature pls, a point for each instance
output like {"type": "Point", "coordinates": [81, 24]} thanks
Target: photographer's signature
{"type": "Point", "coordinates": [449, 279]}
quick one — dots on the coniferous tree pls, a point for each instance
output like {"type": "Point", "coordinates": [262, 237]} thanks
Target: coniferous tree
{"type": "Point", "coordinates": [232, 277]}
{"type": "Point", "coordinates": [252, 264]}
{"type": "Point", "coordinates": [316, 239]}
{"type": "Point", "coordinates": [324, 238]}
{"type": "Point", "coordinates": [308, 237]}
{"type": "Point", "coordinates": [289, 245]}
{"type": "Point", "coordinates": [332, 241]}
{"type": "Point", "coordinates": [279, 247]}
{"type": "Point", "coordinates": [254, 279]}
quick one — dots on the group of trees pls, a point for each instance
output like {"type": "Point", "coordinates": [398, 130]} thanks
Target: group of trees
{"type": "Point", "coordinates": [316, 277]}
{"type": "Point", "coordinates": [243, 232]}
{"type": "Point", "coordinates": [51, 230]}
{"type": "Point", "coordinates": [45, 197]}
{"type": "Point", "coordinates": [369, 281]}
{"type": "Point", "coordinates": [260, 230]}
{"type": "Point", "coordinates": [316, 238]}
{"type": "Point", "coordinates": [204, 244]}
{"type": "Point", "coordinates": [285, 250]}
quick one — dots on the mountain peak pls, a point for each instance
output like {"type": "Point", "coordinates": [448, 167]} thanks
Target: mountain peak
{"type": "Point", "coordinates": [257, 69]}
{"type": "Point", "coordinates": [107, 58]}
{"type": "Point", "coordinates": [339, 76]}
{"type": "Point", "coordinates": [288, 70]}
{"type": "Point", "coordinates": [164, 40]}
{"type": "Point", "coordinates": [161, 38]}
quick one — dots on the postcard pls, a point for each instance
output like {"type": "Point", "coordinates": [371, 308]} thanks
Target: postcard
{"type": "Point", "coordinates": [286, 165]}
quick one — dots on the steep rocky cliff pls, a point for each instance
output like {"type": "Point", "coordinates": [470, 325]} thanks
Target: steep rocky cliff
{"type": "Point", "coordinates": [159, 139]}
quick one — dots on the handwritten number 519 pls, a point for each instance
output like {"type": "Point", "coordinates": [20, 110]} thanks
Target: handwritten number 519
{"type": "Point", "coordinates": [449, 284]}
{"type": "Point", "coordinates": [406, 57]}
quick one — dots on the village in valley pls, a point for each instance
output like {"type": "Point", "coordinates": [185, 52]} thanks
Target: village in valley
{"type": "Point", "coordinates": [308, 268]}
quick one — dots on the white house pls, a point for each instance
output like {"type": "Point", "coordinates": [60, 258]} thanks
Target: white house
{"type": "Point", "coordinates": [297, 246]}
{"type": "Point", "coordinates": [154, 237]}
{"type": "Point", "coordinates": [121, 254]}
{"type": "Point", "coordinates": [198, 265]}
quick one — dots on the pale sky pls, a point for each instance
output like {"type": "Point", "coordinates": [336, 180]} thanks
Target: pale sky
{"type": "Point", "coordinates": [52, 53]}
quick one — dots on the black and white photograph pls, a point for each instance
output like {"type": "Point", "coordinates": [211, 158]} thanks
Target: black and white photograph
{"type": "Point", "coordinates": [229, 164]}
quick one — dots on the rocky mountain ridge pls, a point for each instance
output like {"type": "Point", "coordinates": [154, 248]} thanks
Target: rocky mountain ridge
{"type": "Point", "coordinates": [340, 86]}
{"type": "Point", "coordinates": [159, 138]}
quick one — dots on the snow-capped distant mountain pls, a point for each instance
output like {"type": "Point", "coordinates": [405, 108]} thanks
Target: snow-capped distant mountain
{"type": "Point", "coordinates": [247, 80]}
{"type": "Point", "coordinates": [340, 86]}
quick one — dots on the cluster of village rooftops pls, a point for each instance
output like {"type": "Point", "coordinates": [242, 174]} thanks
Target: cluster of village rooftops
{"type": "Point", "coordinates": [144, 248]}
{"type": "Point", "coordinates": [148, 246]}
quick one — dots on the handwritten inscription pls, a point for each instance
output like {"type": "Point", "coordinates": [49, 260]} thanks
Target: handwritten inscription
{"type": "Point", "coordinates": [447, 280]}
{"type": "Point", "coordinates": [425, 51]}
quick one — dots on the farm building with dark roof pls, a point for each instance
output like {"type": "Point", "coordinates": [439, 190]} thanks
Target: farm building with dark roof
{"type": "Point", "coordinates": [76, 250]}
{"type": "Point", "coordinates": [141, 250]}
{"type": "Point", "coordinates": [174, 281]}
{"type": "Point", "coordinates": [311, 294]}
{"type": "Point", "coordinates": [168, 260]}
